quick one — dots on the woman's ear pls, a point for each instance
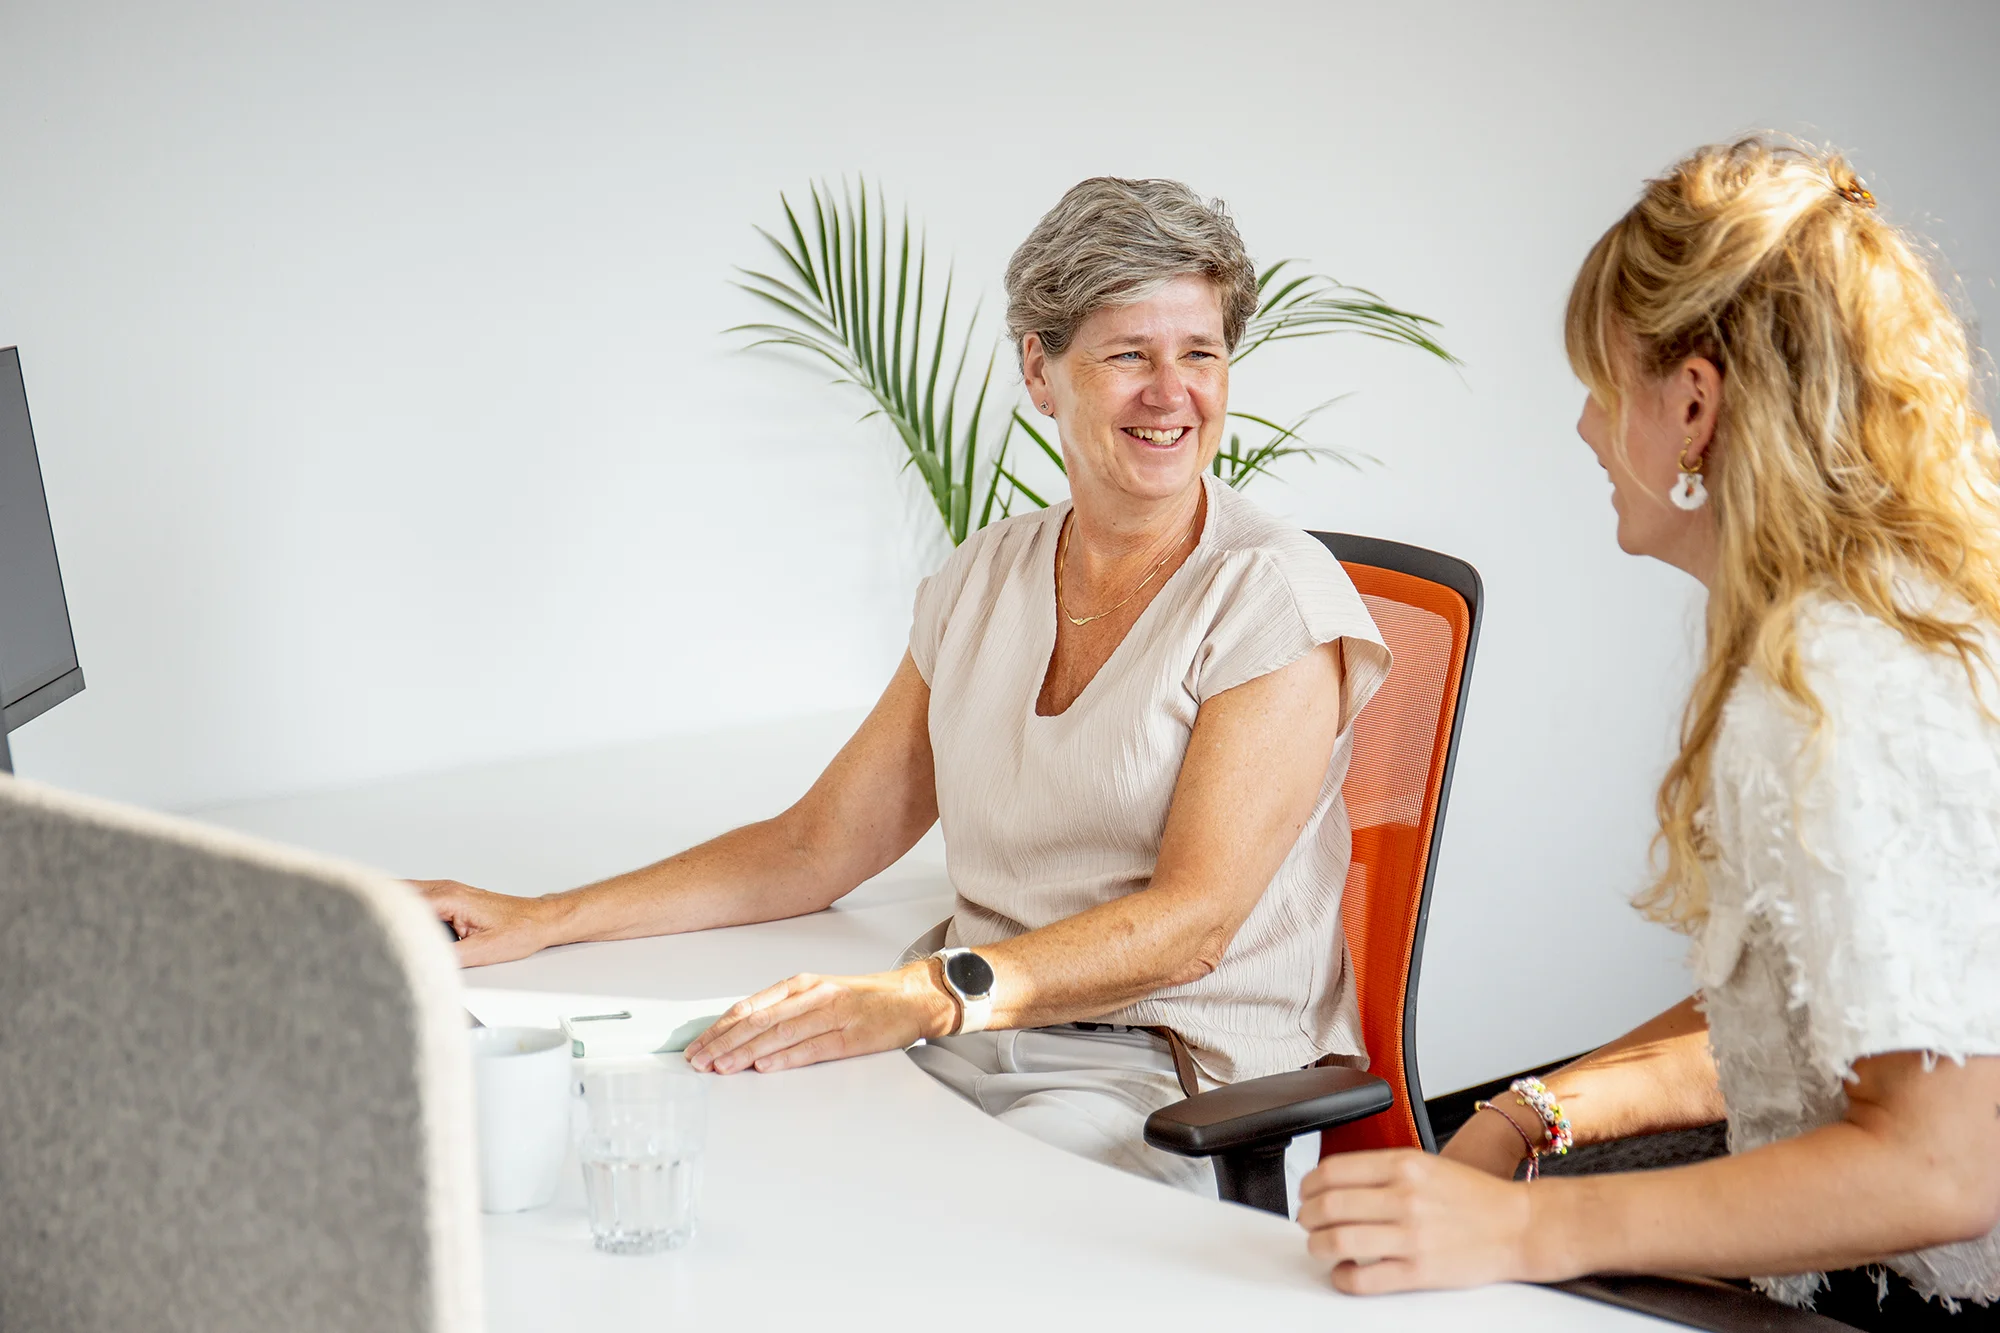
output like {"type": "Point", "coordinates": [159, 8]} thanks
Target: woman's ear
{"type": "Point", "coordinates": [1698, 387]}
{"type": "Point", "coordinates": [1035, 373]}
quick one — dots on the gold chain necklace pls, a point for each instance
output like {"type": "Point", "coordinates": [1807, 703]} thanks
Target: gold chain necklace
{"type": "Point", "coordinates": [1062, 549]}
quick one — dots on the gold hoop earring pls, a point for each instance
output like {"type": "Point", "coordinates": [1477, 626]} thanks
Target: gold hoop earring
{"type": "Point", "coordinates": [1690, 492]}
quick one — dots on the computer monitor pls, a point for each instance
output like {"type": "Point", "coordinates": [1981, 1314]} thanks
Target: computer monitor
{"type": "Point", "coordinates": [38, 667]}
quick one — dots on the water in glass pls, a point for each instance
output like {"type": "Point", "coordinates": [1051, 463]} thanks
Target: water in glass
{"type": "Point", "coordinates": [641, 1149]}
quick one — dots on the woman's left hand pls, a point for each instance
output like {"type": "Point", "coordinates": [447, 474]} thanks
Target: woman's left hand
{"type": "Point", "coordinates": [806, 1019]}
{"type": "Point", "coordinates": [1403, 1220]}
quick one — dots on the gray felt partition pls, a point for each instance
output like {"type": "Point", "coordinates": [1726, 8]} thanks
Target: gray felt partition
{"type": "Point", "coordinates": [234, 1091]}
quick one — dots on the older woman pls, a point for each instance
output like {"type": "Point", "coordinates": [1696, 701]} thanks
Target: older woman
{"type": "Point", "coordinates": [1785, 405]}
{"type": "Point", "coordinates": [1132, 712]}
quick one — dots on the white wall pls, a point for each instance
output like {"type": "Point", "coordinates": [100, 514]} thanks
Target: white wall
{"type": "Point", "coordinates": [376, 361]}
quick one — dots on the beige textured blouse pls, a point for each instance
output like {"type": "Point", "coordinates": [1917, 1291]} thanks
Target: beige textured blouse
{"type": "Point", "coordinates": [1045, 817]}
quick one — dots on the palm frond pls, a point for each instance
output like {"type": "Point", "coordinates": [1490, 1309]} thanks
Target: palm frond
{"type": "Point", "coordinates": [853, 291]}
{"type": "Point", "coordinates": [1237, 463]}
{"type": "Point", "coordinates": [1312, 305]}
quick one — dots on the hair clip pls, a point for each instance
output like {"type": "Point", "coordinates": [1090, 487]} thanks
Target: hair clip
{"type": "Point", "coordinates": [1855, 192]}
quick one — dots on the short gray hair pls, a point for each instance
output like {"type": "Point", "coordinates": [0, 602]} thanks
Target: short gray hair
{"type": "Point", "coordinates": [1111, 242]}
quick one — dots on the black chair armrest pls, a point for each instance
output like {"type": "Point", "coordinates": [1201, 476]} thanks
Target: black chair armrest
{"type": "Point", "coordinates": [1277, 1108]}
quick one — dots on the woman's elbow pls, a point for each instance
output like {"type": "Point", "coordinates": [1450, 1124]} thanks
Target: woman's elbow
{"type": "Point", "coordinates": [1203, 958]}
{"type": "Point", "coordinates": [1958, 1205]}
{"type": "Point", "coordinates": [1979, 1213]}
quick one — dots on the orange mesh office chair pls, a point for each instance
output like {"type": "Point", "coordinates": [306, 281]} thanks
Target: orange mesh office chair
{"type": "Point", "coordinates": [1427, 606]}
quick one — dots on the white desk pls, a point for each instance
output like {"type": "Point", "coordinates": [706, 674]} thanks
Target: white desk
{"type": "Point", "coordinates": [851, 1195]}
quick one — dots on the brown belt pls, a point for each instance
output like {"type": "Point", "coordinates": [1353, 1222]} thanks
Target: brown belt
{"type": "Point", "coordinates": [1184, 1066]}
{"type": "Point", "coordinates": [1185, 1061]}
{"type": "Point", "coordinates": [1184, 1069]}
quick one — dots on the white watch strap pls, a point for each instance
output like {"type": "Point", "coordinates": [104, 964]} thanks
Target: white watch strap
{"type": "Point", "coordinates": [977, 1014]}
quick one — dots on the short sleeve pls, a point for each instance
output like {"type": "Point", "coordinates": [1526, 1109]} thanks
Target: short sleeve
{"type": "Point", "coordinates": [1275, 606]}
{"type": "Point", "coordinates": [936, 598]}
{"type": "Point", "coordinates": [1892, 925]}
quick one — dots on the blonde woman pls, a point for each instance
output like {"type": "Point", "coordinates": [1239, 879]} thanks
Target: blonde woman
{"type": "Point", "coordinates": [1785, 405]}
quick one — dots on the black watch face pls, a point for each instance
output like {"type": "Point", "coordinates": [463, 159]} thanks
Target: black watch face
{"type": "Point", "coordinates": [969, 972]}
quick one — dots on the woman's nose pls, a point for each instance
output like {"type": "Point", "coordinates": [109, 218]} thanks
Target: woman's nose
{"type": "Point", "coordinates": [1166, 390]}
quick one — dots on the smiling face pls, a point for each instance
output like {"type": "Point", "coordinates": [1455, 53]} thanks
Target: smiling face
{"type": "Point", "coordinates": [1139, 395]}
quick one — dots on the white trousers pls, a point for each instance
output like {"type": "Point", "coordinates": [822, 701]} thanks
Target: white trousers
{"type": "Point", "coordinates": [1088, 1093]}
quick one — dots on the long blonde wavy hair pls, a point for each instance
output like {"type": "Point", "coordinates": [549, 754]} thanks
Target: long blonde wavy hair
{"type": "Point", "coordinates": [1849, 444]}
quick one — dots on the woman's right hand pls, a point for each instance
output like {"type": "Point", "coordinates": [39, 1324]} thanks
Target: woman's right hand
{"type": "Point", "coordinates": [491, 927]}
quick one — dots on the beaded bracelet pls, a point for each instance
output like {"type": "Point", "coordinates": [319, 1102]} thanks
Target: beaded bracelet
{"type": "Point", "coordinates": [1535, 1095]}
{"type": "Point", "coordinates": [1534, 1153]}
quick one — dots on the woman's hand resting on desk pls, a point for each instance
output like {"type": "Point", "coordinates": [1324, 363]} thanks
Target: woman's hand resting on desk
{"type": "Point", "coordinates": [491, 927]}
{"type": "Point", "coordinates": [1402, 1220]}
{"type": "Point", "coordinates": [806, 1019]}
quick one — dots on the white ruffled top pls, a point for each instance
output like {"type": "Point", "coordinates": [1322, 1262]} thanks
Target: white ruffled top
{"type": "Point", "coordinates": [1854, 895]}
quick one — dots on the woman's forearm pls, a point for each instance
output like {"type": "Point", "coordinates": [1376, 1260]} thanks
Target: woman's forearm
{"type": "Point", "coordinates": [760, 872]}
{"type": "Point", "coordinates": [1101, 960]}
{"type": "Point", "coordinates": [1834, 1198]}
{"type": "Point", "coordinates": [1658, 1076]}
{"type": "Point", "coordinates": [1915, 1163]}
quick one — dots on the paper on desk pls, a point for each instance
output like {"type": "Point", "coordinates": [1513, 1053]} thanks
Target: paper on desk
{"type": "Point", "coordinates": [653, 1025]}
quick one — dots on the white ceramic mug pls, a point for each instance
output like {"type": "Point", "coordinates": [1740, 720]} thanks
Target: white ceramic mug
{"type": "Point", "coordinates": [521, 1082]}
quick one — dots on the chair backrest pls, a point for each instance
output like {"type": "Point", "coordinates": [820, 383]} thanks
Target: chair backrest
{"type": "Point", "coordinates": [234, 1085]}
{"type": "Point", "coordinates": [1427, 606]}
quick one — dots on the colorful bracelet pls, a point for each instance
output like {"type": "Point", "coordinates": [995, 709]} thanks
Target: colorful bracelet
{"type": "Point", "coordinates": [1534, 1153]}
{"type": "Point", "coordinates": [1535, 1095]}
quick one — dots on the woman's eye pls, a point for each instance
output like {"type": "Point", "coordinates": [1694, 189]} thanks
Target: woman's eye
{"type": "Point", "coordinates": [1202, 356]}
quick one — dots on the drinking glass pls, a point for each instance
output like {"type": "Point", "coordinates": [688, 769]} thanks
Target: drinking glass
{"type": "Point", "coordinates": [642, 1130]}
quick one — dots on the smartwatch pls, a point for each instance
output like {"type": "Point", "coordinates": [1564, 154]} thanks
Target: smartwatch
{"type": "Point", "coordinates": [970, 980]}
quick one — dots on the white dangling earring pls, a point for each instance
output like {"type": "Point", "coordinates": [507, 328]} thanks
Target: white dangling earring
{"type": "Point", "coordinates": [1690, 492]}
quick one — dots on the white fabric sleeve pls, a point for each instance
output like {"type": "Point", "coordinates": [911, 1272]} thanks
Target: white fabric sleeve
{"type": "Point", "coordinates": [1892, 929]}
{"type": "Point", "coordinates": [927, 621]}
{"type": "Point", "coordinates": [1275, 607]}
{"type": "Point", "coordinates": [938, 595]}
